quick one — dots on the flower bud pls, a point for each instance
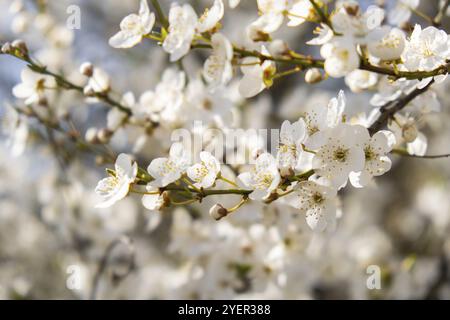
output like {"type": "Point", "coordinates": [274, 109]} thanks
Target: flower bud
{"type": "Point", "coordinates": [104, 135]}
{"type": "Point", "coordinates": [313, 76]}
{"type": "Point", "coordinates": [217, 212]}
{"type": "Point", "coordinates": [409, 132]}
{"type": "Point", "coordinates": [21, 46]}
{"type": "Point", "coordinates": [87, 69]}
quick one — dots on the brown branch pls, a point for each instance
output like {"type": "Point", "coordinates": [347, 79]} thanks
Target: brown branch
{"type": "Point", "coordinates": [390, 109]}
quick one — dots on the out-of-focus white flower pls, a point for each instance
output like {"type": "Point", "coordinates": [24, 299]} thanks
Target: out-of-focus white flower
{"type": "Point", "coordinates": [354, 25]}
{"type": "Point", "coordinates": [292, 137]}
{"type": "Point", "coordinates": [317, 201]}
{"type": "Point", "coordinates": [389, 45]}
{"type": "Point", "coordinates": [117, 186]}
{"type": "Point", "coordinates": [389, 91]}
{"type": "Point", "coordinates": [33, 86]}
{"type": "Point", "coordinates": [301, 11]}
{"type": "Point", "coordinates": [218, 69]}
{"type": "Point", "coordinates": [257, 76]}
{"type": "Point", "coordinates": [359, 80]}
{"type": "Point", "coordinates": [402, 11]}
{"type": "Point", "coordinates": [377, 163]}
{"type": "Point", "coordinates": [264, 177]}
{"type": "Point", "coordinates": [168, 170]}
{"type": "Point", "coordinates": [115, 116]}
{"type": "Point", "coordinates": [16, 130]}
{"type": "Point", "coordinates": [204, 174]}
{"type": "Point", "coordinates": [340, 152]}
{"type": "Point", "coordinates": [211, 17]}
{"type": "Point", "coordinates": [426, 50]}
{"type": "Point", "coordinates": [324, 35]}
{"type": "Point", "coordinates": [322, 117]}
{"type": "Point", "coordinates": [99, 82]}
{"type": "Point", "coordinates": [153, 200]}
{"type": "Point", "coordinates": [133, 27]}
{"type": "Point", "coordinates": [182, 26]}
{"type": "Point", "coordinates": [341, 58]}
{"type": "Point", "coordinates": [266, 24]}
{"type": "Point", "coordinates": [405, 130]}
{"type": "Point", "coordinates": [166, 100]}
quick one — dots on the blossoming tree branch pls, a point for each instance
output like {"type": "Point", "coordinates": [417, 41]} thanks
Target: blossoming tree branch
{"type": "Point", "coordinates": [326, 149]}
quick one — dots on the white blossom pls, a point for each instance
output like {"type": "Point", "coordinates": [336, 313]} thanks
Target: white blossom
{"type": "Point", "coordinates": [153, 200]}
{"type": "Point", "coordinates": [426, 49]}
{"type": "Point", "coordinates": [402, 11]}
{"type": "Point", "coordinates": [204, 174]}
{"type": "Point", "coordinates": [33, 86]}
{"type": "Point", "coordinates": [290, 148]}
{"type": "Point", "coordinates": [317, 201]}
{"type": "Point", "coordinates": [218, 69]}
{"type": "Point", "coordinates": [211, 17]}
{"type": "Point", "coordinates": [340, 152]}
{"type": "Point", "coordinates": [301, 11]}
{"type": "Point", "coordinates": [360, 80]}
{"type": "Point", "coordinates": [257, 75]}
{"type": "Point", "coordinates": [341, 58]}
{"type": "Point", "coordinates": [133, 27]}
{"type": "Point", "coordinates": [167, 170]}
{"type": "Point", "coordinates": [388, 44]}
{"type": "Point", "coordinates": [182, 27]}
{"type": "Point", "coordinates": [263, 178]}
{"type": "Point", "coordinates": [117, 186]}
{"type": "Point", "coordinates": [377, 163]}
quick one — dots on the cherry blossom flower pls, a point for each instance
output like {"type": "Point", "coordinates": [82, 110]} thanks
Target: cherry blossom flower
{"type": "Point", "coordinates": [218, 69]}
{"type": "Point", "coordinates": [360, 80]}
{"type": "Point", "coordinates": [182, 26]}
{"type": "Point", "coordinates": [426, 49]}
{"type": "Point", "coordinates": [167, 170]}
{"type": "Point", "coordinates": [354, 25]}
{"type": "Point", "coordinates": [98, 82]}
{"type": "Point", "coordinates": [33, 87]}
{"type": "Point", "coordinates": [341, 57]}
{"type": "Point", "coordinates": [211, 17]}
{"type": "Point", "coordinates": [257, 76]}
{"type": "Point", "coordinates": [316, 200]}
{"type": "Point", "coordinates": [264, 177]}
{"type": "Point", "coordinates": [375, 150]}
{"type": "Point", "coordinates": [324, 35]}
{"type": "Point", "coordinates": [340, 152]}
{"type": "Point", "coordinates": [402, 11]}
{"type": "Point", "coordinates": [389, 43]}
{"type": "Point", "coordinates": [134, 27]}
{"type": "Point", "coordinates": [204, 174]}
{"type": "Point", "coordinates": [301, 11]}
{"type": "Point", "coordinates": [292, 137]}
{"type": "Point", "coordinates": [117, 186]}
{"type": "Point", "coordinates": [153, 200]}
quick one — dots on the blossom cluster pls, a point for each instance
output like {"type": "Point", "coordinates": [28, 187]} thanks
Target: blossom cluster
{"type": "Point", "coordinates": [231, 220]}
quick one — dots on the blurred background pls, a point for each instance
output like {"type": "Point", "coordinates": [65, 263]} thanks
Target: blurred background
{"type": "Point", "coordinates": [55, 245]}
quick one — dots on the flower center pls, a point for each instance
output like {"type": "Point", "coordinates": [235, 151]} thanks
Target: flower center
{"type": "Point", "coordinates": [340, 154]}
{"type": "Point", "coordinates": [317, 198]}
